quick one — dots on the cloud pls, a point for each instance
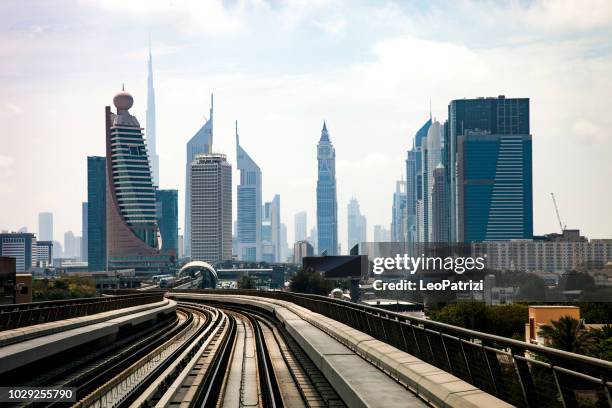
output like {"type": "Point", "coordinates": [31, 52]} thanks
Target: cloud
{"type": "Point", "coordinates": [6, 162]}
{"type": "Point", "coordinates": [589, 132]}
{"type": "Point", "coordinates": [8, 109]}
{"type": "Point", "coordinates": [335, 27]}
{"type": "Point", "coordinates": [563, 15]}
{"type": "Point", "coordinates": [212, 17]}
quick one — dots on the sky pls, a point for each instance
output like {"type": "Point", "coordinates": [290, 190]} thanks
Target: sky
{"type": "Point", "coordinates": [370, 69]}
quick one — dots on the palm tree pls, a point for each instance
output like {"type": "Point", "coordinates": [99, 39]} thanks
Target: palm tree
{"type": "Point", "coordinates": [566, 334]}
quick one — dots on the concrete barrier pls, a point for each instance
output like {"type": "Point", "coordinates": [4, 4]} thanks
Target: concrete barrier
{"type": "Point", "coordinates": [57, 338]}
{"type": "Point", "coordinates": [437, 387]}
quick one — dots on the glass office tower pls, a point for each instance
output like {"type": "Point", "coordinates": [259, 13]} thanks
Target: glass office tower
{"type": "Point", "coordinates": [327, 205]}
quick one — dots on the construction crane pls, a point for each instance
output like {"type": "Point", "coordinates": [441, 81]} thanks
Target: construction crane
{"type": "Point", "coordinates": [561, 224]}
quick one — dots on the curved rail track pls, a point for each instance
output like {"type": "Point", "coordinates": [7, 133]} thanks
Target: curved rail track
{"type": "Point", "coordinates": [206, 356]}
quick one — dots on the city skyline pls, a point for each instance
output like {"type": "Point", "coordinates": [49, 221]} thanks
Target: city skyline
{"type": "Point", "coordinates": [573, 114]}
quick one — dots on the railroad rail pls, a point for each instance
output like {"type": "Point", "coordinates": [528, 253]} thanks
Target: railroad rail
{"type": "Point", "coordinates": [520, 373]}
{"type": "Point", "coordinates": [204, 356]}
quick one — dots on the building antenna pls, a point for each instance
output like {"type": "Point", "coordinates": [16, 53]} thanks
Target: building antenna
{"type": "Point", "coordinates": [237, 139]}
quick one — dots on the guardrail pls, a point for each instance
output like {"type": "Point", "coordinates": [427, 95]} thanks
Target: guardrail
{"type": "Point", "coordinates": [523, 374]}
{"type": "Point", "coordinates": [27, 314]}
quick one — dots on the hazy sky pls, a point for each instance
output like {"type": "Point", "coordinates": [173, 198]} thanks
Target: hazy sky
{"type": "Point", "coordinates": [369, 68]}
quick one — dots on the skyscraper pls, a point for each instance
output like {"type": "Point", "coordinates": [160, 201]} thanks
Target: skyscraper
{"type": "Point", "coordinates": [399, 214]}
{"type": "Point", "coordinates": [70, 245]}
{"type": "Point", "coordinates": [490, 169]}
{"type": "Point", "coordinates": [84, 232]}
{"type": "Point", "coordinates": [301, 226]}
{"type": "Point", "coordinates": [268, 247]}
{"type": "Point", "coordinates": [440, 228]}
{"type": "Point", "coordinates": [96, 213]}
{"type": "Point", "coordinates": [381, 234]}
{"type": "Point", "coordinates": [45, 226]}
{"type": "Point", "coordinates": [284, 246]}
{"type": "Point", "coordinates": [414, 184]}
{"type": "Point", "coordinates": [131, 216]}
{"type": "Point", "coordinates": [312, 238]}
{"type": "Point", "coordinates": [357, 225]}
{"type": "Point", "coordinates": [200, 143]}
{"type": "Point", "coordinates": [249, 206]}
{"type": "Point", "coordinates": [58, 250]}
{"type": "Point", "coordinates": [431, 157]}
{"type": "Point", "coordinates": [150, 125]}
{"type": "Point", "coordinates": [167, 219]}
{"type": "Point", "coordinates": [302, 249]}
{"type": "Point", "coordinates": [275, 225]}
{"type": "Point", "coordinates": [327, 205]}
{"type": "Point", "coordinates": [211, 208]}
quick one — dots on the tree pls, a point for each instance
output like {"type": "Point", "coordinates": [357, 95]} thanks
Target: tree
{"type": "Point", "coordinates": [310, 282]}
{"type": "Point", "coordinates": [576, 281]}
{"type": "Point", "coordinates": [567, 334]}
{"type": "Point", "coordinates": [246, 282]}
{"type": "Point", "coordinates": [503, 320]}
{"type": "Point", "coordinates": [67, 287]}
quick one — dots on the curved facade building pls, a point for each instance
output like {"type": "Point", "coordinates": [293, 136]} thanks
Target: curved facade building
{"type": "Point", "coordinates": [249, 206]}
{"type": "Point", "coordinates": [132, 231]}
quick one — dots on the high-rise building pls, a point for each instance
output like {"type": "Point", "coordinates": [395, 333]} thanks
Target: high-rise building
{"type": "Point", "coordinates": [150, 125]}
{"type": "Point", "coordinates": [271, 230]}
{"type": "Point", "coordinates": [439, 218]}
{"type": "Point", "coordinates": [312, 238]}
{"type": "Point", "coordinates": [200, 143]}
{"type": "Point", "coordinates": [302, 249]}
{"type": "Point", "coordinates": [45, 226]}
{"type": "Point", "coordinates": [327, 204]}
{"type": "Point", "coordinates": [84, 232]}
{"type": "Point", "coordinates": [284, 246]}
{"type": "Point", "coordinates": [22, 247]}
{"type": "Point", "coordinates": [414, 185]}
{"type": "Point", "coordinates": [381, 234]}
{"type": "Point", "coordinates": [399, 214]}
{"type": "Point", "coordinates": [96, 213]}
{"type": "Point", "coordinates": [181, 245]}
{"type": "Point", "coordinates": [431, 156]}
{"type": "Point", "coordinates": [276, 227]}
{"type": "Point", "coordinates": [491, 169]}
{"type": "Point", "coordinates": [70, 245]}
{"type": "Point", "coordinates": [167, 219]}
{"type": "Point", "coordinates": [58, 250]}
{"type": "Point", "coordinates": [249, 205]}
{"type": "Point", "coordinates": [131, 214]}
{"type": "Point", "coordinates": [211, 208]}
{"type": "Point", "coordinates": [268, 247]}
{"type": "Point", "coordinates": [357, 225]}
{"type": "Point", "coordinates": [301, 226]}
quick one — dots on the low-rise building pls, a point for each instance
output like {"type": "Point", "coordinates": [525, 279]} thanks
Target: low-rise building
{"type": "Point", "coordinates": [551, 253]}
{"type": "Point", "coordinates": [543, 315]}
{"type": "Point", "coordinates": [22, 247]}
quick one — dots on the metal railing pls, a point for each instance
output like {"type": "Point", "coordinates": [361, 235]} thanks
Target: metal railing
{"type": "Point", "coordinates": [520, 373]}
{"type": "Point", "coordinates": [27, 314]}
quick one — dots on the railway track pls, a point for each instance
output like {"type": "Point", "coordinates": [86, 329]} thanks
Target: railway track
{"type": "Point", "coordinates": [209, 356]}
